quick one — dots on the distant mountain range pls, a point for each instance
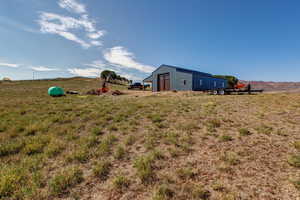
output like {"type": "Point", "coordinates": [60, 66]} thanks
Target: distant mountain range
{"type": "Point", "coordinates": [274, 86]}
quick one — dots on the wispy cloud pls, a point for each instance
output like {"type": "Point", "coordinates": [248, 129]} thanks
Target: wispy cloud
{"type": "Point", "coordinates": [68, 27]}
{"type": "Point", "coordinates": [97, 64]}
{"type": "Point", "coordinates": [96, 35]}
{"type": "Point", "coordinates": [88, 72]}
{"type": "Point", "coordinates": [72, 6]}
{"type": "Point", "coordinates": [9, 65]}
{"type": "Point", "coordinates": [44, 69]}
{"type": "Point", "coordinates": [122, 57]}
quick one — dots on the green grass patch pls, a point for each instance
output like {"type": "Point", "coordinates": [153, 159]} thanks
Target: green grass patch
{"type": "Point", "coordinates": [64, 180]}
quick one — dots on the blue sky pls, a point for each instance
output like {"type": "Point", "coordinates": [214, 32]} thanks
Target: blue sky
{"type": "Point", "coordinates": [253, 40]}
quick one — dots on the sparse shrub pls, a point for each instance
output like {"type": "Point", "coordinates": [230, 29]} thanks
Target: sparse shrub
{"type": "Point", "coordinates": [225, 138]}
{"type": "Point", "coordinates": [11, 181]}
{"type": "Point", "coordinates": [90, 141]}
{"type": "Point", "coordinates": [120, 182]}
{"type": "Point", "coordinates": [102, 169]}
{"type": "Point", "coordinates": [34, 146]}
{"type": "Point", "coordinates": [120, 153]}
{"type": "Point", "coordinates": [32, 129]}
{"type": "Point", "coordinates": [130, 140]}
{"type": "Point", "coordinates": [244, 132]}
{"type": "Point", "coordinates": [80, 155]}
{"type": "Point", "coordinates": [155, 118]}
{"type": "Point", "coordinates": [105, 146]}
{"type": "Point", "coordinates": [297, 184]}
{"type": "Point", "coordinates": [264, 129]}
{"type": "Point", "coordinates": [171, 138]}
{"type": "Point", "coordinates": [12, 147]}
{"type": "Point", "coordinates": [199, 192]}
{"type": "Point", "coordinates": [218, 186]}
{"type": "Point", "coordinates": [185, 173]}
{"type": "Point", "coordinates": [174, 152]}
{"type": "Point", "coordinates": [294, 160]}
{"type": "Point", "coordinates": [163, 193]}
{"type": "Point", "coordinates": [213, 123]}
{"type": "Point", "coordinates": [144, 166]}
{"type": "Point", "coordinates": [231, 158]}
{"type": "Point", "coordinates": [113, 128]}
{"type": "Point", "coordinates": [54, 148]}
{"type": "Point", "coordinates": [297, 145]}
{"type": "Point", "coordinates": [97, 131]}
{"type": "Point", "coordinates": [61, 182]}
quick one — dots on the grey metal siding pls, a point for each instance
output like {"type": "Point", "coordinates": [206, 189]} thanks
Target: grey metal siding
{"type": "Point", "coordinates": [183, 80]}
{"type": "Point", "coordinates": [163, 70]}
{"type": "Point", "coordinates": [194, 80]}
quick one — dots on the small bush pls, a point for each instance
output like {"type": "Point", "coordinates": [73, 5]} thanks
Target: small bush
{"type": "Point", "coordinates": [32, 129]}
{"type": "Point", "coordinates": [106, 144]}
{"type": "Point", "coordinates": [61, 182]}
{"type": "Point", "coordinates": [231, 158]}
{"type": "Point", "coordinates": [120, 153]}
{"type": "Point", "coordinates": [297, 145]}
{"type": "Point", "coordinates": [213, 123]}
{"type": "Point", "coordinates": [54, 148]}
{"type": "Point", "coordinates": [199, 192]}
{"type": "Point", "coordinates": [225, 138]}
{"type": "Point", "coordinates": [297, 184]}
{"type": "Point", "coordinates": [163, 193]}
{"type": "Point", "coordinates": [185, 173]}
{"type": "Point", "coordinates": [294, 160]}
{"type": "Point", "coordinates": [102, 169]}
{"type": "Point", "coordinates": [81, 155]}
{"type": "Point", "coordinates": [130, 140]}
{"type": "Point", "coordinates": [90, 141]}
{"type": "Point", "coordinates": [10, 148]}
{"type": "Point", "coordinates": [244, 132]}
{"type": "Point", "coordinates": [144, 166]}
{"type": "Point", "coordinates": [97, 131]}
{"type": "Point", "coordinates": [155, 118]}
{"type": "Point", "coordinates": [120, 182]}
{"type": "Point", "coordinates": [264, 129]}
{"type": "Point", "coordinates": [11, 181]}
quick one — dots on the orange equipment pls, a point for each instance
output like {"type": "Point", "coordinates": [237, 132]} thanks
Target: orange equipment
{"type": "Point", "coordinates": [239, 86]}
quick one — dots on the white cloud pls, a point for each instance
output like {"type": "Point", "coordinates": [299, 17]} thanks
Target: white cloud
{"type": "Point", "coordinates": [89, 72]}
{"type": "Point", "coordinates": [72, 6]}
{"type": "Point", "coordinates": [97, 64]}
{"type": "Point", "coordinates": [9, 65]}
{"type": "Point", "coordinates": [96, 35]}
{"type": "Point", "coordinates": [43, 69]}
{"type": "Point", "coordinates": [120, 56]}
{"type": "Point", "coordinates": [96, 43]}
{"type": "Point", "coordinates": [66, 26]}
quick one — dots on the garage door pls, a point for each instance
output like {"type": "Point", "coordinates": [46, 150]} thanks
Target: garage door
{"type": "Point", "coordinates": [163, 82]}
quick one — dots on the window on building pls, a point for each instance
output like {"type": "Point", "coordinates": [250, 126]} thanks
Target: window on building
{"type": "Point", "coordinates": [184, 82]}
{"type": "Point", "coordinates": [215, 84]}
{"type": "Point", "coordinates": [200, 82]}
{"type": "Point", "coordinates": [223, 84]}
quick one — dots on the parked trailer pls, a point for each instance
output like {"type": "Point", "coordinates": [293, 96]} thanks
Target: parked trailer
{"type": "Point", "coordinates": [234, 91]}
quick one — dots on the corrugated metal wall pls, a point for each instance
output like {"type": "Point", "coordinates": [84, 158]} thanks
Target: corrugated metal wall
{"type": "Point", "coordinates": [181, 79]}
{"type": "Point", "coordinates": [201, 83]}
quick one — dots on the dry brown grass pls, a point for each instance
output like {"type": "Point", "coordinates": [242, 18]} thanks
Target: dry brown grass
{"type": "Point", "coordinates": [143, 145]}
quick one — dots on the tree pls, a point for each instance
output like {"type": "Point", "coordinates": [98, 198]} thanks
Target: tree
{"type": "Point", "coordinates": [231, 80]}
{"type": "Point", "coordinates": [108, 73]}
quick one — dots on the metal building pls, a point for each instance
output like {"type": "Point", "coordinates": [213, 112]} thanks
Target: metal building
{"type": "Point", "coordinates": [168, 77]}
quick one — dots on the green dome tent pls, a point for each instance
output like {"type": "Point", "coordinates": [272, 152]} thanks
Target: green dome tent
{"type": "Point", "coordinates": [56, 91]}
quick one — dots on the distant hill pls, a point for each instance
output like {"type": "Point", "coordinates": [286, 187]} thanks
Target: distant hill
{"type": "Point", "coordinates": [275, 86]}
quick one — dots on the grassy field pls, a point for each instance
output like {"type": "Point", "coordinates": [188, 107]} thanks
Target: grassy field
{"type": "Point", "coordinates": [144, 145]}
